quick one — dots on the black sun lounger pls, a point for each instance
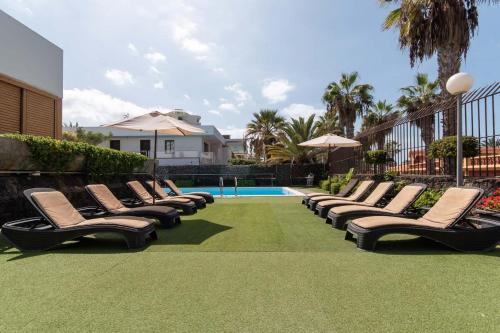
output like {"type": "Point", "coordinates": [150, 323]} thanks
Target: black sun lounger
{"type": "Point", "coordinates": [167, 216]}
{"type": "Point", "coordinates": [343, 192]}
{"type": "Point", "coordinates": [199, 201]}
{"type": "Point", "coordinates": [61, 222]}
{"type": "Point", "coordinates": [443, 223]}
{"type": "Point", "coordinates": [358, 194]}
{"type": "Point", "coordinates": [374, 198]}
{"type": "Point", "coordinates": [339, 216]}
{"type": "Point", "coordinates": [186, 205]}
{"type": "Point", "coordinates": [209, 198]}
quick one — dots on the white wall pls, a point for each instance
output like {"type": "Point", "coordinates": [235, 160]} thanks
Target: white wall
{"type": "Point", "coordinates": [30, 58]}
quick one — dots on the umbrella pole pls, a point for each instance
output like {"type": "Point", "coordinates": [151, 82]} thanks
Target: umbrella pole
{"type": "Point", "coordinates": [154, 167]}
{"type": "Point", "coordinates": [328, 163]}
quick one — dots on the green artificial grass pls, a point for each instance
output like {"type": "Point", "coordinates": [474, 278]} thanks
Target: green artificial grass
{"type": "Point", "coordinates": [252, 265]}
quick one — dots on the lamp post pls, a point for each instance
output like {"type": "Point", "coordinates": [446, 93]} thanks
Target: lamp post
{"type": "Point", "coordinates": [457, 85]}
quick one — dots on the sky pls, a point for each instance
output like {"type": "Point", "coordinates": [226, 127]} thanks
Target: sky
{"type": "Point", "coordinates": [226, 59]}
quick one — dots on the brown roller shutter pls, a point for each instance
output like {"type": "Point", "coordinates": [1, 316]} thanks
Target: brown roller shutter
{"type": "Point", "coordinates": [40, 114]}
{"type": "Point", "coordinates": [10, 108]}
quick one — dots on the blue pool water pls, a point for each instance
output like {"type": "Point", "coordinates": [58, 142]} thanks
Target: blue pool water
{"type": "Point", "coordinates": [244, 191]}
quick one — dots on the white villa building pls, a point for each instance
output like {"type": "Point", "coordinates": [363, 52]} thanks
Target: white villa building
{"type": "Point", "coordinates": [210, 147]}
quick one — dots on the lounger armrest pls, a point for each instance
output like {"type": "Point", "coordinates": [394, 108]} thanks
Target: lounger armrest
{"type": "Point", "coordinates": [131, 202]}
{"type": "Point", "coordinates": [91, 211]}
{"type": "Point", "coordinates": [31, 223]}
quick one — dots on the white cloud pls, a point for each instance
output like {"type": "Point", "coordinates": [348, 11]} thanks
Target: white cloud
{"type": "Point", "coordinates": [158, 85]}
{"type": "Point", "coordinates": [301, 110]}
{"type": "Point", "coordinates": [276, 90]}
{"type": "Point", "coordinates": [215, 112]}
{"type": "Point", "coordinates": [234, 132]}
{"type": "Point", "coordinates": [186, 96]}
{"type": "Point", "coordinates": [218, 70]}
{"type": "Point", "coordinates": [240, 96]}
{"type": "Point", "coordinates": [228, 107]}
{"type": "Point", "coordinates": [91, 107]}
{"type": "Point", "coordinates": [206, 102]}
{"type": "Point", "coordinates": [184, 33]}
{"type": "Point", "coordinates": [132, 48]}
{"type": "Point", "coordinates": [155, 57]}
{"type": "Point", "coordinates": [119, 78]}
{"type": "Point", "coordinates": [194, 45]}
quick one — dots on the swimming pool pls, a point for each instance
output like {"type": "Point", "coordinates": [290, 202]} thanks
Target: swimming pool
{"type": "Point", "coordinates": [245, 191]}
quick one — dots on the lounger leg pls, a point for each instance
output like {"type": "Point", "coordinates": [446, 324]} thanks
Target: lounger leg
{"type": "Point", "coordinates": [135, 240]}
{"type": "Point", "coordinates": [366, 242]}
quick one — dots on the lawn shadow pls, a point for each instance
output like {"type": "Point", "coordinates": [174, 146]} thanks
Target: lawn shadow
{"type": "Point", "coordinates": [422, 246]}
{"type": "Point", "coordinates": [190, 232]}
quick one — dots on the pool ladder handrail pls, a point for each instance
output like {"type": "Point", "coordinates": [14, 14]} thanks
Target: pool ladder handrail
{"type": "Point", "coordinates": [221, 186]}
{"type": "Point", "coordinates": [235, 186]}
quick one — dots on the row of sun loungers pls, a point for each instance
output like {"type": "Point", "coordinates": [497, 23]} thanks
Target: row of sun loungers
{"type": "Point", "coordinates": [368, 220]}
{"type": "Point", "coordinates": [60, 221]}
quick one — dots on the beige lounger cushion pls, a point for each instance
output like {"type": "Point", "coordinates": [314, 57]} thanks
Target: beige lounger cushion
{"type": "Point", "coordinates": [378, 193]}
{"type": "Point", "coordinates": [58, 208]}
{"type": "Point", "coordinates": [169, 200]}
{"type": "Point", "coordinates": [354, 208]}
{"type": "Point", "coordinates": [340, 202]}
{"type": "Point", "coordinates": [126, 221]}
{"type": "Point", "coordinates": [106, 198]}
{"type": "Point", "coordinates": [161, 193]}
{"type": "Point", "coordinates": [388, 221]}
{"type": "Point", "coordinates": [140, 191]}
{"type": "Point", "coordinates": [451, 205]}
{"type": "Point", "coordinates": [403, 199]}
{"type": "Point", "coordinates": [360, 191]}
{"type": "Point", "coordinates": [173, 187]}
{"type": "Point", "coordinates": [444, 213]}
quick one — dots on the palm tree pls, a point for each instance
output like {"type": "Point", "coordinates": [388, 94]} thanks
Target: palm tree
{"type": "Point", "coordinates": [423, 94]}
{"type": "Point", "coordinates": [348, 100]}
{"type": "Point", "coordinates": [380, 113]}
{"type": "Point", "coordinates": [263, 131]}
{"type": "Point", "coordinates": [428, 27]}
{"type": "Point", "coordinates": [328, 123]}
{"type": "Point", "coordinates": [444, 27]}
{"type": "Point", "coordinates": [294, 132]}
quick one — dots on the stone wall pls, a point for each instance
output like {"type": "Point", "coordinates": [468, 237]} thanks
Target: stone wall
{"type": "Point", "coordinates": [14, 206]}
{"type": "Point", "coordinates": [208, 175]}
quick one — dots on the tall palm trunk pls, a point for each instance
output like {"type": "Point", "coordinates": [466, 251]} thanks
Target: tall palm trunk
{"type": "Point", "coordinates": [449, 63]}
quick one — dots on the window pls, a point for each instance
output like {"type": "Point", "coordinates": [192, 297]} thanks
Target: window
{"type": "Point", "coordinates": [114, 144]}
{"type": "Point", "coordinates": [145, 147]}
{"type": "Point", "coordinates": [206, 147]}
{"type": "Point", "coordinates": [169, 146]}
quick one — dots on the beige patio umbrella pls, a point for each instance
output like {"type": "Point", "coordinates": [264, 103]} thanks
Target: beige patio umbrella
{"type": "Point", "coordinates": [159, 123]}
{"type": "Point", "coordinates": [330, 141]}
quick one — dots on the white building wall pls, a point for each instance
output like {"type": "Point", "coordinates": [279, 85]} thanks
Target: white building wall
{"type": "Point", "coordinates": [30, 58]}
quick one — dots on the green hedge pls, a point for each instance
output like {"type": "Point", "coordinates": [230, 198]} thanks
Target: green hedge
{"type": "Point", "coordinates": [56, 155]}
{"type": "Point", "coordinates": [246, 183]}
{"type": "Point", "coordinates": [376, 157]}
{"type": "Point", "coordinates": [184, 183]}
{"type": "Point", "coordinates": [428, 198]}
{"type": "Point", "coordinates": [447, 147]}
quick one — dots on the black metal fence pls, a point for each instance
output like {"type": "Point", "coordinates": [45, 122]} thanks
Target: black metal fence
{"type": "Point", "coordinates": [406, 140]}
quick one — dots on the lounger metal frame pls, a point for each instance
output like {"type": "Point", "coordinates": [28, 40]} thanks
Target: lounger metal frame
{"type": "Point", "coordinates": [339, 221]}
{"type": "Point", "coordinates": [459, 236]}
{"type": "Point", "coordinates": [38, 234]}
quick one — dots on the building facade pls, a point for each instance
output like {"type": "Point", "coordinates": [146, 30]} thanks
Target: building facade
{"type": "Point", "coordinates": [210, 147]}
{"type": "Point", "coordinates": [31, 81]}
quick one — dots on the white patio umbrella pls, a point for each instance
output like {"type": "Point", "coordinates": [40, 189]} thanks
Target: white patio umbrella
{"type": "Point", "coordinates": [330, 141]}
{"type": "Point", "coordinates": [158, 123]}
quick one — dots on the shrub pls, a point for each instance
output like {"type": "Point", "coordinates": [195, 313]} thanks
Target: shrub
{"type": "Point", "coordinates": [335, 187]}
{"type": "Point", "coordinates": [376, 157]}
{"type": "Point", "coordinates": [398, 186]}
{"type": "Point", "coordinates": [51, 154]}
{"type": "Point", "coordinates": [246, 182]}
{"type": "Point", "coordinates": [390, 175]}
{"type": "Point", "coordinates": [447, 147]}
{"type": "Point", "coordinates": [325, 184]}
{"type": "Point", "coordinates": [184, 182]}
{"type": "Point", "coordinates": [240, 161]}
{"type": "Point", "coordinates": [428, 198]}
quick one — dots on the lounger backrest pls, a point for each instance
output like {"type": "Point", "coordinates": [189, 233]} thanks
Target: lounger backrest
{"type": "Point", "coordinates": [348, 187]}
{"type": "Point", "coordinates": [140, 191]}
{"type": "Point", "coordinates": [57, 208]}
{"type": "Point", "coordinates": [158, 190]}
{"type": "Point", "coordinates": [173, 187]}
{"type": "Point", "coordinates": [454, 203]}
{"type": "Point", "coordinates": [405, 198]}
{"type": "Point", "coordinates": [105, 197]}
{"type": "Point", "coordinates": [378, 193]}
{"type": "Point", "coordinates": [361, 190]}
